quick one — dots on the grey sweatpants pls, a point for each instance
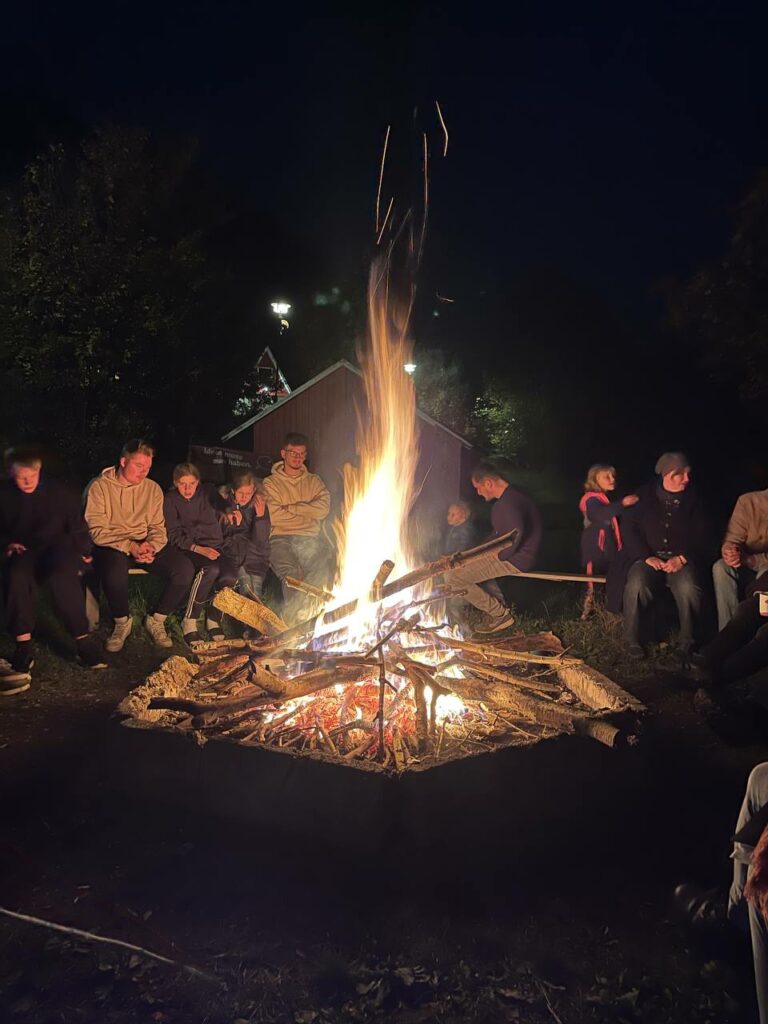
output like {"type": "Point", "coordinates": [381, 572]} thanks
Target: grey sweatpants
{"type": "Point", "coordinates": [489, 567]}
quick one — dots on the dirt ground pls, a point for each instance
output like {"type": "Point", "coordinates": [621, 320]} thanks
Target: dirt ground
{"type": "Point", "coordinates": [575, 925]}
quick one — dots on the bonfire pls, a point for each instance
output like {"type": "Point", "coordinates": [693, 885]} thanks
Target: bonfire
{"type": "Point", "coordinates": [376, 674]}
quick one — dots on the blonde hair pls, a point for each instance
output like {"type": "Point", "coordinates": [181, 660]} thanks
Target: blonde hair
{"type": "Point", "coordinates": [591, 484]}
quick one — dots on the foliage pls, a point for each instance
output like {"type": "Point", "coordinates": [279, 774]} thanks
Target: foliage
{"type": "Point", "coordinates": [724, 308]}
{"type": "Point", "coordinates": [512, 422]}
{"type": "Point", "coordinates": [110, 299]}
{"type": "Point", "coordinates": [442, 390]}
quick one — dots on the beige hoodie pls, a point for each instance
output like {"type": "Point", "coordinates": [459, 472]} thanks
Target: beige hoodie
{"type": "Point", "coordinates": [297, 504]}
{"type": "Point", "coordinates": [748, 526]}
{"type": "Point", "coordinates": [118, 514]}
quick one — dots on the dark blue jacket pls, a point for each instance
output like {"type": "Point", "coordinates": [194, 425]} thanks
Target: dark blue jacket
{"type": "Point", "coordinates": [247, 544]}
{"type": "Point", "coordinates": [515, 510]}
{"type": "Point", "coordinates": [192, 521]}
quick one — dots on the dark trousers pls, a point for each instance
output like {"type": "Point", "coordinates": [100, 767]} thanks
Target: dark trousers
{"type": "Point", "coordinates": [642, 586]}
{"type": "Point", "coordinates": [60, 568]}
{"type": "Point", "coordinates": [206, 572]}
{"type": "Point", "coordinates": [112, 571]}
{"type": "Point", "coordinates": [741, 648]}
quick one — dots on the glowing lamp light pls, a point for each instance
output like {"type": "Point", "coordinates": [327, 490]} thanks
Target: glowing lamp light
{"type": "Point", "coordinates": [410, 368]}
{"type": "Point", "coordinates": [281, 309]}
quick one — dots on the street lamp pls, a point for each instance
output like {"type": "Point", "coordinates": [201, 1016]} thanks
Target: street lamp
{"type": "Point", "coordinates": [410, 368]}
{"type": "Point", "coordinates": [281, 311]}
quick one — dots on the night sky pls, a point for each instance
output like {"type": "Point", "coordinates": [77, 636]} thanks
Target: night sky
{"type": "Point", "coordinates": [606, 144]}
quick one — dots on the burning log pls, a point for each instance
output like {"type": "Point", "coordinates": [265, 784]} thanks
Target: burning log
{"type": "Point", "coordinates": [487, 672]}
{"type": "Point", "coordinates": [426, 572]}
{"type": "Point", "coordinates": [387, 566]}
{"type": "Point", "coordinates": [489, 652]}
{"type": "Point", "coordinates": [250, 611]}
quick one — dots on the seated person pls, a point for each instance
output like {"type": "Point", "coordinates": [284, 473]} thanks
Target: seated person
{"type": "Point", "coordinates": [513, 510]}
{"type": "Point", "coordinates": [43, 538]}
{"type": "Point", "coordinates": [461, 535]}
{"type": "Point", "coordinates": [244, 559]}
{"type": "Point", "coordinates": [193, 527]}
{"type": "Point", "coordinates": [744, 553]}
{"type": "Point", "coordinates": [124, 513]}
{"type": "Point", "coordinates": [298, 503]}
{"type": "Point", "coordinates": [666, 543]}
{"type": "Point", "coordinates": [745, 908]}
{"type": "Point", "coordinates": [739, 649]}
{"type": "Point", "coordinates": [601, 537]}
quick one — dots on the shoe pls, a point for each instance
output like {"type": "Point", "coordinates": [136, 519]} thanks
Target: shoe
{"type": "Point", "coordinates": [156, 629]}
{"type": "Point", "coordinates": [13, 683]}
{"type": "Point", "coordinates": [90, 653]}
{"type": "Point", "coordinates": [213, 626]}
{"type": "Point", "coordinates": [498, 624]}
{"type": "Point", "coordinates": [16, 674]}
{"type": "Point", "coordinates": [702, 908]}
{"type": "Point", "coordinates": [118, 636]}
{"type": "Point", "coordinates": [636, 651]}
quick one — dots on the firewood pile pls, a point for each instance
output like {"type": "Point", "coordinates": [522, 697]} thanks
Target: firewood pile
{"type": "Point", "coordinates": [417, 696]}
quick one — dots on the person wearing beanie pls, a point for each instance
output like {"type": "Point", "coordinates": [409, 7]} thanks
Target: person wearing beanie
{"type": "Point", "coordinates": [744, 554]}
{"type": "Point", "coordinates": [667, 543]}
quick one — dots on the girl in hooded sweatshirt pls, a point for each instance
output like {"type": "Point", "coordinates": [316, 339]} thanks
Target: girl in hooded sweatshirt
{"type": "Point", "coordinates": [245, 553]}
{"type": "Point", "coordinates": [601, 537]}
{"type": "Point", "coordinates": [193, 527]}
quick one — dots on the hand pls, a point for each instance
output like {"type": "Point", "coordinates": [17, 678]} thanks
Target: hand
{"type": "Point", "coordinates": [211, 553]}
{"type": "Point", "coordinates": [674, 564]}
{"type": "Point", "coordinates": [15, 549]}
{"type": "Point", "coordinates": [655, 563]}
{"type": "Point", "coordinates": [731, 554]}
{"type": "Point", "coordinates": [630, 499]}
{"type": "Point", "coordinates": [750, 561]}
{"type": "Point", "coordinates": [259, 505]}
{"type": "Point", "coordinates": [143, 552]}
{"type": "Point", "coordinates": [235, 517]}
{"type": "Point", "coordinates": [87, 559]}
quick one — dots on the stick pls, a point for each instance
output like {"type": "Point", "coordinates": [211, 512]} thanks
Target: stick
{"type": "Point", "coordinates": [560, 577]}
{"type": "Point", "coordinates": [506, 677]}
{"type": "Point", "coordinates": [385, 571]}
{"type": "Point", "coordinates": [91, 937]}
{"type": "Point", "coordinates": [308, 588]}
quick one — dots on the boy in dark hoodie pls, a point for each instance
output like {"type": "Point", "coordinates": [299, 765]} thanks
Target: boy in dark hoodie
{"type": "Point", "coordinates": [43, 537]}
{"type": "Point", "coordinates": [193, 527]}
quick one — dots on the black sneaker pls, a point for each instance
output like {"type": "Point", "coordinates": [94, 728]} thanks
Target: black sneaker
{"type": "Point", "coordinates": [90, 653]}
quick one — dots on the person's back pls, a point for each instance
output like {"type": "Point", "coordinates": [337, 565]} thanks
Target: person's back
{"type": "Point", "coordinates": [516, 510]}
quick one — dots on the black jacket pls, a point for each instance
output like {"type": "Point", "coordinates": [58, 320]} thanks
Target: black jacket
{"type": "Point", "coordinates": [51, 515]}
{"type": "Point", "coordinates": [661, 525]}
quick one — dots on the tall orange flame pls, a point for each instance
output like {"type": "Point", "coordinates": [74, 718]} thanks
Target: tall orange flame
{"type": "Point", "coordinates": [378, 495]}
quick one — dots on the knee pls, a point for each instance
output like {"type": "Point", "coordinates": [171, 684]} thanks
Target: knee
{"type": "Point", "coordinates": [212, 571]}
{"type": "Point", "coordinates": [757, 786]}
{"type": "Point", "coordinates": [723, 575]}
{"type": "Point", "coordinates": [637, 584]}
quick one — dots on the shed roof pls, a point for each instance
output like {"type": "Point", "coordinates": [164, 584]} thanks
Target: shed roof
{"type": "Point", "coordinates": [341, 364]}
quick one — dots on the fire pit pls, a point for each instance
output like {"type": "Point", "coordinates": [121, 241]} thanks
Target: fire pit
{"type": "Point", "coordinates": [328, 722]}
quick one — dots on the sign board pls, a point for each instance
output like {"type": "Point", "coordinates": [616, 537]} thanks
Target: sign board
{"type": "Point", "coordinates": [217, 465]}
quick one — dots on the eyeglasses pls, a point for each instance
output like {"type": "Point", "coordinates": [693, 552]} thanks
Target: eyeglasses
{"type": "Point", "coordinates": [298, 452]}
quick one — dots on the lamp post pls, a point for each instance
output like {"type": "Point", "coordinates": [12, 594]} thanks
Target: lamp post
{"type": "Point", "coordinates": [410, 368]}
{"type": "Point", "coordinates": [281, 311]}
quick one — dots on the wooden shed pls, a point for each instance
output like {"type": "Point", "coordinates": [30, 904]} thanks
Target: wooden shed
{"type": "Point", "coordinates": [325, 409]}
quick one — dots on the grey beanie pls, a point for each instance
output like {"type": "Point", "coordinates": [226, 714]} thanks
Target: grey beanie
{"type": "Point", "coordinates": [672, 462]}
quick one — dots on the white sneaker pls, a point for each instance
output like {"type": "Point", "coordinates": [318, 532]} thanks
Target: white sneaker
{"type": "Point", "coordinates": [156, 629]}
{"type": "Point", "coordinates": [118, 636]}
